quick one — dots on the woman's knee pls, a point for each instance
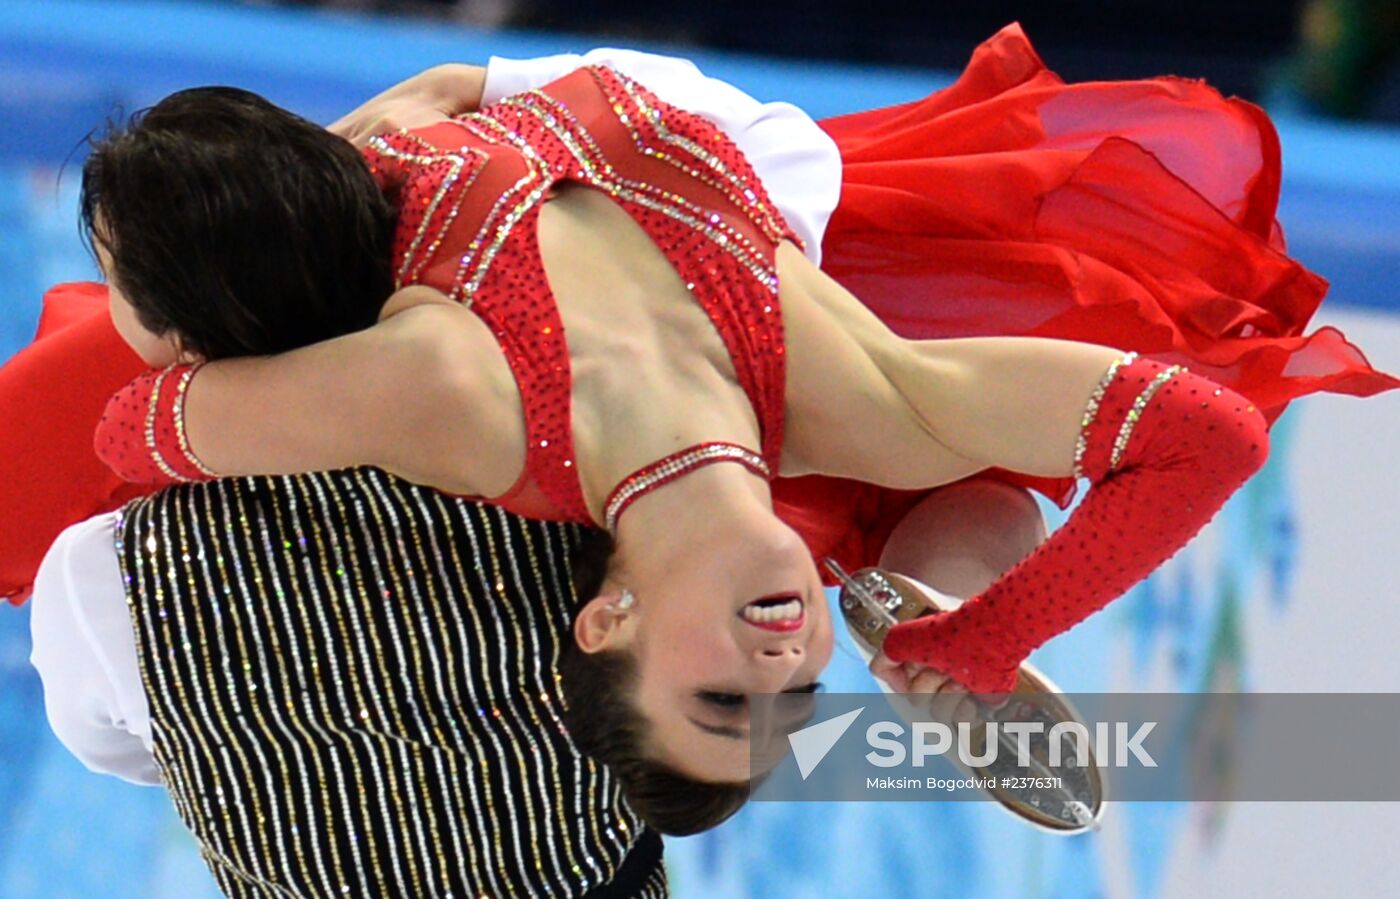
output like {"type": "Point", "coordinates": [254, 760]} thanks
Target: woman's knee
{"type": "Point", "coordinates": [965, 533]}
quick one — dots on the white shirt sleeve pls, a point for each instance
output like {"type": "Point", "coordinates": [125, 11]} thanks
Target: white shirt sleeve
{"type": "Point", "coordinates": [795, 159]}
{"type": "Point", "coordinates": [85, 652]}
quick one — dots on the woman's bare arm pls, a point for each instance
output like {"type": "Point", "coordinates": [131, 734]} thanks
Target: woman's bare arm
{"type": "Point", "coordinates": [419, 394]}
{"type": "Point", "coordinates": [866, 404]}
{"type": "Point", "coordinates": [1010, 402]}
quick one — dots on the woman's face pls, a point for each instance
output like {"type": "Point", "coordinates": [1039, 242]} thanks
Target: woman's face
{"type": "Point", "coordinates": [156, 350]}
{"type": "Point", "coordinates": [743, 614]}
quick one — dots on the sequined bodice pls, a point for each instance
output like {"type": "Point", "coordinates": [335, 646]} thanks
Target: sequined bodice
{"type": "Point", "coordinates": [470, 192]}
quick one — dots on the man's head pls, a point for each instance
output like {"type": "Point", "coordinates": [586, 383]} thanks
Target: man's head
{"type": "Point", "coordinates": [227, 226]}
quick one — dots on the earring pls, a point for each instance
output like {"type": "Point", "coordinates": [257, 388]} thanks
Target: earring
{"type": "Point", "coordinates": [626, 601]}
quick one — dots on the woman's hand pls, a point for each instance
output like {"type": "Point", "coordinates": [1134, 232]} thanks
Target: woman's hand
{"type": "Point", "coordinates": [427, 98]}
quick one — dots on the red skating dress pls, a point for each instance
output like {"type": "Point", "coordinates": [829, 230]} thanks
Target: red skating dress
{"type": "Point", "coordinates": [1134, 214]}
{"type": "Point", "coordinates": [471, 192]}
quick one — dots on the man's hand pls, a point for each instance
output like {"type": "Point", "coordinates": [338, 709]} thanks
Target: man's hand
{"type": "Point", "coordinates": [911, 677]}
{"type": "Point", "coordinates": [384, 117]}
{"type": "Point", "coordinates": [427, 98]}
{"type": "Point", "coordinates": [927, 694]}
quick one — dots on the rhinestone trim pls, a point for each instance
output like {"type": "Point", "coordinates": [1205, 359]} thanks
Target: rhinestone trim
{"type": "Point", "coordinates": [475, 264]}
{"type": "Point", "coordinates": [600, 173]}
{"type": "Point", "coordinates": [1131, 419]}
{"type": "Point", "coordinates": [181, 437]}
{"type": "Point", "coordinates": [734, 186]}
{"type": "Point", "coordinates": [663, 471]}
{"type": "Point", "coordinates": [151, 412]}
{"type": "Point", "coordinates": [1091, 410]}
{"type": "Point", "coordinates": [413, 261]}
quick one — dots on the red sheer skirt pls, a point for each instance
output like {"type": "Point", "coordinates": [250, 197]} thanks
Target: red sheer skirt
{"type": "Point", "coordinates": [52, 394]}
{"type": "Point", "coordinates": [1133, 214]}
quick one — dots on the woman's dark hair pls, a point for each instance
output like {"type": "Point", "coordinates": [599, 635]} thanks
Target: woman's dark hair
{"type": "Point", "coordinates": [604, 723]}
{"type": "Point", "coordinates": [239, 226]}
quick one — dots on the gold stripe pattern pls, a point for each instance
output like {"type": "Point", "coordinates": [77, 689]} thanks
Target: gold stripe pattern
{"type": "Point", "coordinates": [353, 691]}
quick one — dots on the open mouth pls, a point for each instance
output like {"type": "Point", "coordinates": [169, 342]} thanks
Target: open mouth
{"type": "Point", "coordinates": [781, 612]}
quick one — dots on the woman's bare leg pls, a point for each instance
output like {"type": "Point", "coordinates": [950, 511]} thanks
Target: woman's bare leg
{"type": "Point", "coordinates": [958, 540]}
{"type": "Point", "coordinates": [962, 537]}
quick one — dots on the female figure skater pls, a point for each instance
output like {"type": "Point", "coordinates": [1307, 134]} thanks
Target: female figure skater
{"type": "Point", "coordinates": [698, 333]}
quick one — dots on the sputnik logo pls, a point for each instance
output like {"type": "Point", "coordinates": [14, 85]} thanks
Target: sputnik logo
{"type": "Point", "coordinates": [811, 744]}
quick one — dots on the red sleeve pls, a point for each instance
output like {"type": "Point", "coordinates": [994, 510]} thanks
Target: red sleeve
{"type": "Point", "coordinates": [1164, 449]}
{"type": "Point", "coordinates": [141, 435]}
{"type": "Point", "coordinates": [51, 395]}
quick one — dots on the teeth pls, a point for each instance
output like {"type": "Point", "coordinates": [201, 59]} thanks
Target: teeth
{"type": "Point", "coordinates": [788, 611]}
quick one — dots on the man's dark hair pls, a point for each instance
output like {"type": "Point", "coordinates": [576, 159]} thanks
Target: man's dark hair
{"type": "Point", "coordinates": [239, 226]}
{"type": "Point", "coordinates": [605, 724]}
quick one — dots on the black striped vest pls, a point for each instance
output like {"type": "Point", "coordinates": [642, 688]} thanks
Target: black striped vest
{"type": "Point", "coordinates": [353, 693]}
